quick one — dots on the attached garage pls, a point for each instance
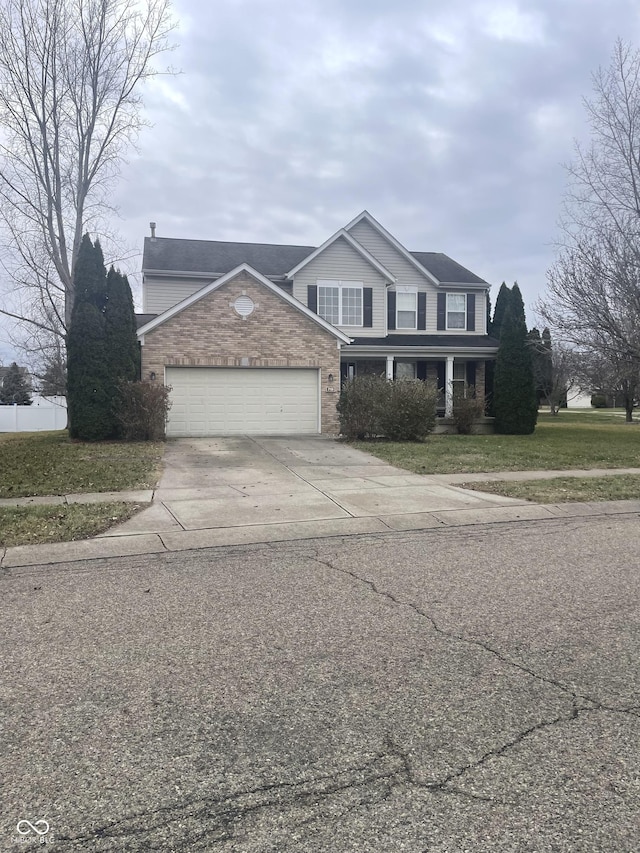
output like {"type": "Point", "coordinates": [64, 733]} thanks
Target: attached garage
{"type": "Point", "coordinates": [243, 357]}
{"type": "Point", "coordinates": [238, 400]}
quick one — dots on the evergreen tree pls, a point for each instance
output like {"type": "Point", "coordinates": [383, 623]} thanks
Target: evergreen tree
{"type": "Point", "coordinates": [15, 388]}
{"type": "Point", "coordinates": [515, 402]}
{"type": "Point", "coordinates": [537, 362]}
{"type": "Point", "coordinates": [88, 380]}
{"type": "Point", "coordinates": [503, 300]}
{"type": "Point", "coordinates": [123, 350]}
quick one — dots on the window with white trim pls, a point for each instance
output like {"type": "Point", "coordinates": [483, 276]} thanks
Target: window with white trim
{"type": "Point", "coordinates": [406, 309]}
{"type": "Point", "coordinates": [456, 310]}
{"type": "Point", "coordinates": [405, 370]}
{"type": "Point", "coordinates": [340, 302]}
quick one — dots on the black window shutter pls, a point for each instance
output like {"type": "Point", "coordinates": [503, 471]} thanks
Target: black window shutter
{"type": "Point", "coordinates": [391, 309]}
{"type": "Point", "coordinates": [312, 298]}
{"type": "Point", "coordinates": [442, 377]}
{"type": "Point", "coordinates": [422, 311]}
{"type": "Point", "coordinates": [367, 307]}
{"type": "Point", "coordinates": [471, 373]}
{"type": "Point", "coordinates": [421, 370]}
{"type": "Point", "coordinates": [471, 312]}
{"type": "Point", "coordinates": [442, 311]}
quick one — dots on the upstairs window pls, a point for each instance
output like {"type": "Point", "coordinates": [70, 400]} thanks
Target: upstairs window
{"type": "Point", "coordinates": [406, 310]}
{"type": "Point", "coordinates": [340, 302]}
{"type": "Point", "coordinates": [456, 311]}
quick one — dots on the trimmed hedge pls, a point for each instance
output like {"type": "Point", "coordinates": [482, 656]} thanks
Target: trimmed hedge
{"type": "Point", "coordinates": [466, 411]}
{"type": "Point", "coordinates": [400, 410]}
{"type": "Point", "coordinates": [142, 410]}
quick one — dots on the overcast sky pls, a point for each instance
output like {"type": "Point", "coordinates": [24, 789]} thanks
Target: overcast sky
{"type": "Point", "coordinates": [449, 122]}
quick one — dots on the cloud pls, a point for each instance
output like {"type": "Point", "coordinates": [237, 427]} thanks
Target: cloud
{"type": "Point", "coordinates": [450, 125]}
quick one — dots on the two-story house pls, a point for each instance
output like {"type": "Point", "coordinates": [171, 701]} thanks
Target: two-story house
{"type": "Point", "coordinates": [257, 338]}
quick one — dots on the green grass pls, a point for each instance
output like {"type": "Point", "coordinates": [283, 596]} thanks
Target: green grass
{"type": "Point", "coordinates": [37, 525]}
{"type": "Point", "coordinates": [618, 487]}
{"type": "Point", "coordinates": [49, 463]}
{"type": "Point", "coordinates": [593, 439]}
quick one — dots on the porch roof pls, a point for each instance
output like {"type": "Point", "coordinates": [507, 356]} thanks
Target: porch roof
{"type": "Point", "coordinates": [394, 342]}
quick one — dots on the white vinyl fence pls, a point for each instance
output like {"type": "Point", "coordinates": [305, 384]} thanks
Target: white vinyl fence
{"type": "Point", "coordinates": [44, 413]}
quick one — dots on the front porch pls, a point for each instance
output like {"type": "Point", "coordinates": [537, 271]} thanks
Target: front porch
{"type": "Point", "coordinates": [451, 375]}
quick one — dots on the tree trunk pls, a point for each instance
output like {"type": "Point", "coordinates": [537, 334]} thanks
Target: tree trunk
{"type": "Point", "coordinates": [628, 407]}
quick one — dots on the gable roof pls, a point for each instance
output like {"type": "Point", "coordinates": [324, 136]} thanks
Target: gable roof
{"type": "Point", "coordinates": [365, 216]}
{"type": "Point", "coordinates": [214, 257]}
{"type": "Point", "coordinates": [219, 282]}
{"type": "Point", "coordinates": [344, 235]}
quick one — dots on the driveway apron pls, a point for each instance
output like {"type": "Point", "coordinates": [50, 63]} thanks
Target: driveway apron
{"type": "Point", "coordinates": [239, 482]}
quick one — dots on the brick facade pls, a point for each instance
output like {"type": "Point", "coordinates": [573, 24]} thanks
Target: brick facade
{"type": "Point", "coordinates": [210, 333]}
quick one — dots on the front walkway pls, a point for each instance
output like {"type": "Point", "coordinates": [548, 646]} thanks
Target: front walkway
{"type": "Point", "coordinates": [241, 490]}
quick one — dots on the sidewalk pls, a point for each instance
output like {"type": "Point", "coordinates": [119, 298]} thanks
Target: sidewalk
{"type": "Point", "coordinates": [375, 503]}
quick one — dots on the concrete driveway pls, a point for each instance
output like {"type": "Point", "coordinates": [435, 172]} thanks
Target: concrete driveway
{"type": "Point", "coordinates": [241, 489]}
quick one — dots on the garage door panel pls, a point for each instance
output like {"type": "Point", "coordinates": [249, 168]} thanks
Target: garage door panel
{"type": "Point", "coordinates": [259, 401]}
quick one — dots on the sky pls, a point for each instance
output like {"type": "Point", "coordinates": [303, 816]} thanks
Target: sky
{"type": "Point", "coordinates": [449, 122]}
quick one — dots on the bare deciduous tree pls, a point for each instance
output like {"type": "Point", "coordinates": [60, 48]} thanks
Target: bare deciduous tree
{"type": "Point", "coordinates": [70, 107]}
{"type": "Point", "coordinates": [593, 296]}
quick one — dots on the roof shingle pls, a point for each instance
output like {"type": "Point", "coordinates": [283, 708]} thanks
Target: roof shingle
{"type": "Point", "coordinates": [215, 257]}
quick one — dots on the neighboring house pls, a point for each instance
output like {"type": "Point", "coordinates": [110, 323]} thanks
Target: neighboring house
{"type": "Point", "coordinates": [256, 338]}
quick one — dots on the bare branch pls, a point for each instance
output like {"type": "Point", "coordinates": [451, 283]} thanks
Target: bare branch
{"type": "Point", "coordinates": [70, 107]}
{"type": "Point", "coordinates": [593, 288]}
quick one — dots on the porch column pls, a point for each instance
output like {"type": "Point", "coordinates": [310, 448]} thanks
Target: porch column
{"type": "Point", "coordinates": [448, 388]}
{"type": "Point", "coordinates": [389, 367]}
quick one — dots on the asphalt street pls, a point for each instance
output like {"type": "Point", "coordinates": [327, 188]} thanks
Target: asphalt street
{"type": "Point", "coordinates": [464, 689]}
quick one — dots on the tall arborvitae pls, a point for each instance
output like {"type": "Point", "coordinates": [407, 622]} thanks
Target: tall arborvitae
{"type": "Point", "coordinates": [88, 380]}
{"type": "Point", "coordinates": [123, 350]}
{"type": "Point", "coordinates": [493, 329]}
{"type": "Point", "coordinates": [514, 398]}
{"type": "Point", "coordinates": [124, 356]}
{"type": "Point", "coordinates": [502, 302]}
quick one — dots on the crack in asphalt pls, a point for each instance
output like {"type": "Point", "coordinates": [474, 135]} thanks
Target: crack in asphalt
{"type": "Point", "coordinates": [451, 635]}
{"type": "Point", "coordinates": [228, 810]}
{"type": "Point", "coordinates": [216, 819]}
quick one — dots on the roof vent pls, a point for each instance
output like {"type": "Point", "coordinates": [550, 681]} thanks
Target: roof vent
{"type": "Point", "coordinates": [152, 225]}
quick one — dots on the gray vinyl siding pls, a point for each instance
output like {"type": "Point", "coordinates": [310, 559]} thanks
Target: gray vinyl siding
{"type": "Point", "coordinates": [160, 293]}
{"type": "Point", "coordinates": [403, 270]}
{"type": "Point", "coordinates": [340, 261]}
{"type": "Point", "coordinates": [408, 275]}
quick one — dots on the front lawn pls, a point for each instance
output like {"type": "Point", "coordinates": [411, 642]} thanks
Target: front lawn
{"type": "Point", "coordinates": [618, 487]}
{"type": "Point", "coordinates": [591, 439]}
{"type": "Point", "coordinates": [49, 463]}
{"type": "Point", "coordinates": [38, 525]}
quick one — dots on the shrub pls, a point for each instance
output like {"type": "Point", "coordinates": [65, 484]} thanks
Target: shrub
{"type": "Point", "coordinates": [359, 406]}
{"type": "Point", "coordinates": [409, 410]}
{"type": "Point", "coordinates": [598, 401]}
{"type": "Point", "coordinates": [466, 411]}
{"type": "Point", "coordinates": [142, 409]}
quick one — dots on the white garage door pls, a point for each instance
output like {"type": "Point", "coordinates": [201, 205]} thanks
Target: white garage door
{"type": "Point", "coordinates": [228, 401]}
